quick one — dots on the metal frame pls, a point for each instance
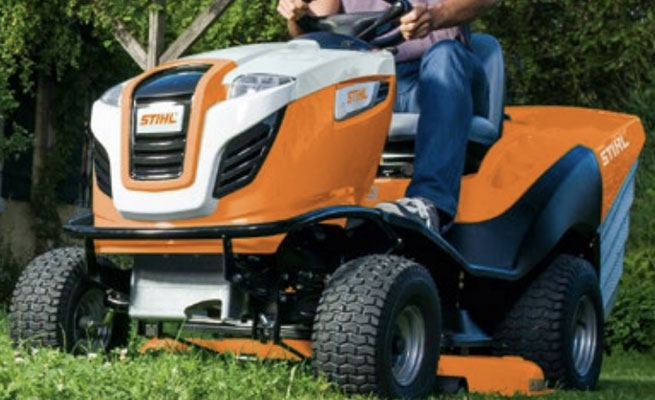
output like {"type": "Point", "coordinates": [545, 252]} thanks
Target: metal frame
{"type": "Point", "coordinates": [393, 226]}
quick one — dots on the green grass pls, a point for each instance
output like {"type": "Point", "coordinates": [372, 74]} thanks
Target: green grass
{"type": "Point", "coordinates": [48, 374]}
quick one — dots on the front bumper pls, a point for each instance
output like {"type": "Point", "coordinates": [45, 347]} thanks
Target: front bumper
{"type": "Point", "coordinates": [83, 226]}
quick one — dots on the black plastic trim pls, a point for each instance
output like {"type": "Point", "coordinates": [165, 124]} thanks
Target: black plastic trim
{"type": "Point", "coordinates": [102, 167]}
{"type": "Point", "coordinates": [382, 94]}
{"type": "Point", "coordinates": [244, 155]}
{"type": "Point", "coordinates": [172, 82]}
{"type": "Point", "coordinates": [567, 197]}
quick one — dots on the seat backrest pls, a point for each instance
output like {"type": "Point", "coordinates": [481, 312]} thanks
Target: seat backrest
{"type": "Point", "coordinates": [487, 48]}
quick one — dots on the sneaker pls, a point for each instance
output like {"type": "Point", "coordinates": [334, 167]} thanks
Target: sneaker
{"type": "Point", "coordinates": [417, 208]}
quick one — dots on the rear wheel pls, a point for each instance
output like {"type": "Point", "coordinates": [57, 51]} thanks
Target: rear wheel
{"type": "Point", "coordinates": [55, 305]}
{"type": "Point", "coordinates": [378, 328]}
{"type": "Point", "coordinates": [558, 323]}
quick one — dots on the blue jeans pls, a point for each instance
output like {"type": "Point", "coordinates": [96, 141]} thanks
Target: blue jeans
{"type": "Point", "coordinates": [447, 87]}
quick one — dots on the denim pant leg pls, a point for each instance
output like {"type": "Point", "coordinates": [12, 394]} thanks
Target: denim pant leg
{"type": "Point", "coordinates": [441, 88]}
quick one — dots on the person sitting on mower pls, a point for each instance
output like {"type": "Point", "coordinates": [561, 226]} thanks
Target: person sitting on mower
{"type": "Point", "coordinates": [437, 74]}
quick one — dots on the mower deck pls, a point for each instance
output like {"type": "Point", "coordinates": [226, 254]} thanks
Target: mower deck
{"type": "Point", "coordinates": [506, 376]}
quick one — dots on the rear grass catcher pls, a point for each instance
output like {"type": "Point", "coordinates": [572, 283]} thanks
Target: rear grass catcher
{"type": "Point", "coordinates": [241, 183]}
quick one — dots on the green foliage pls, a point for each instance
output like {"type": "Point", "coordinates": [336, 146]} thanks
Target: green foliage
{"type": "Point", "coordinates": [245, 21]}
{"type": "Point", "coordinates": [592, 53]}
{"type": "Point", "coordinates": [37, 37]}
{"type": "Point", "coordinates": [54, 41]}
{"type": "Point", "coordinates": [17, 143]}
{"type": "Point", "coordinates": [632, 322]}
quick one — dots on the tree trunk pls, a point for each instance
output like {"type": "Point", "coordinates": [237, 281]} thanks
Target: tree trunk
{"type": "Point", "coordinates": [2, 132]}
{"type": "Point", "coordinates": [156, 34]}
{"type": "Point", "coordinates": [44, 134]}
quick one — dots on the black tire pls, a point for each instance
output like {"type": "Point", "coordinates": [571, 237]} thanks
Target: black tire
{"type": "Point", "coordinates": [541, 326]}
{"type": "Point", "coordinates": [355, 327]}
{"type": "Point", "coordinates": [45, 300]}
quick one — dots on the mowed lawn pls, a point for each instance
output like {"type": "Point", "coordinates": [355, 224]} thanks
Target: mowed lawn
{"type": "Point", "coordinates": [47, 374]}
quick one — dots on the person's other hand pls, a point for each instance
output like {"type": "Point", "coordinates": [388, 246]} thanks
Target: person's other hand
{"type": "Point", "coordinates": [292, 10]}
{"type": "Point", "coordinates": [417, 23]}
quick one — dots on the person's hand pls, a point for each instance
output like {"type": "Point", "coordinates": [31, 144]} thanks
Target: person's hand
{"type": "Point", "coordinates": [292, 10]}
{"type": "Point", "coordinates": [417, 23]}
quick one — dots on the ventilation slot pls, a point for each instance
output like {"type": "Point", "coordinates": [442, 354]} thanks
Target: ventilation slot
{"type": "Point", "coordinates": [383, 93]}
{"type": "Point", "coordinates": [159, 156]}
{"type": "Point", "coordinates": [102, 168]}
{"type": "Point", "coordinates": [244, 155]}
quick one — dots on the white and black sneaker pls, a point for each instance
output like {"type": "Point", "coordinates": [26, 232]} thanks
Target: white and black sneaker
{"type": "Point", "coordinates": [417, 208]}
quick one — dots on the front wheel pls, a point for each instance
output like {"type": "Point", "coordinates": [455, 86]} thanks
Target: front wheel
{"type": "Point", "coordinates": [55, 305]}
{"type": "Point", "coordinates": [378, 328]}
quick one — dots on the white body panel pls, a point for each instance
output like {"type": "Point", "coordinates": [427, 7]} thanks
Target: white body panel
{"type": "Point", "coordinates": [313, 70]}
{"type": "Point", "coordinates": [312, 67]}
{"type": "Point", "coordinates": [240, 54]}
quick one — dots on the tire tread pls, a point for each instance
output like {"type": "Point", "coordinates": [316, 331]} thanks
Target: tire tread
{"type": "Point", "coordinates": [38, 303]}
{"type": "Point", "coordinates": [533, 327]}
{"type": "Point", "coordinates": [346, 324]}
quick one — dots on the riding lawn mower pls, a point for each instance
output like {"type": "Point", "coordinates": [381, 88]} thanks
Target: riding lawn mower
{"type": "Point", "coordinates": [241, 185]}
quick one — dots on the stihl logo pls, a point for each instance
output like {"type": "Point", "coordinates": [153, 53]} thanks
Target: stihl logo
{"type": "Point", "coordinates": [357, 95]}
{"type": "Point", "coordinates": [611, 152]}
{"type": "Point", "coordinates": [158, 119]}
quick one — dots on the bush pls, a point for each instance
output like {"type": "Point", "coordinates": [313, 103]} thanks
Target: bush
{"type": "Point", "coordinates": [631, 325]}
{"type": "Point", "coordinates": [591, 53]}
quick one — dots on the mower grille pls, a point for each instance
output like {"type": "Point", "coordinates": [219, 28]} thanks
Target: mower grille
{"type": "Point", "coordinates": [160, 156]}
{"type": "Point", "coordinates": [102, 168]}
{"type": "Point", "coordinates": [244, 155]}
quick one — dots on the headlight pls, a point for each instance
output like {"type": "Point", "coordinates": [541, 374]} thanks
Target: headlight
{"type": "Point", "coordinates": [112, 96]}
{"type": "Point", "coordinates": [254, 83]}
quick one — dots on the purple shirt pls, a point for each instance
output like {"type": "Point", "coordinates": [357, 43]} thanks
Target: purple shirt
{"type": "Point", "coordinates": [412, 49]}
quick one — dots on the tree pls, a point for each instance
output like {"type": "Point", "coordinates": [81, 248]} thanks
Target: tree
{"type": "Point", "coordinates": [45, 44]}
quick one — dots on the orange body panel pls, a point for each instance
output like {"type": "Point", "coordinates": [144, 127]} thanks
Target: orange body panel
{"type": "Point", "coordinates": [532, 141]}
{"type": "Point", "coordinates": [236, 346]}
{"type": "Point", "coordinates": [209, 91]}
{"type": "Point", "coordinates": [506, 376]}
{"type": "Point", "coordinates": [494, 375]}
{"type": "Point", "coordinates": [318, 162]}
{"type": "Point", "coordinates": [248, 347]}
{"type": "Point", "coordinates": [315, 162]}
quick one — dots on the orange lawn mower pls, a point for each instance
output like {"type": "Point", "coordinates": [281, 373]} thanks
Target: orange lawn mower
{"type": "Point", "coordinates": [242, 183]}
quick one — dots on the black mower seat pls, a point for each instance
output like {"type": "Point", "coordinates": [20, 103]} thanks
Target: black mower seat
{"type": "Point", "coordinates": [485, 129]}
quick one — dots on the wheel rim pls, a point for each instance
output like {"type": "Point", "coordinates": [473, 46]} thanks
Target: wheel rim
{"type": "Point", "coordinates": [408, 345]}
{"type": "Point", "coordinates": [585, 335]}
{"type": "Point", "coordinates": [93, 321]}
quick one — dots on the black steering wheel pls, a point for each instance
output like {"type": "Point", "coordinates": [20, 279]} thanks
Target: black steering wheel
{"type": "Point", "coordinates": [369, 27]}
